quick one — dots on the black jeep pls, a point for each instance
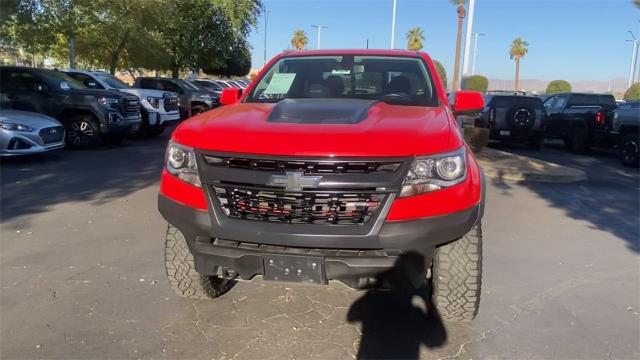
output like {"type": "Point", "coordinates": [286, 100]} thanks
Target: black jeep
{"type": "Point", "coordinates": [89, 116]}
{"type": "Point", "coordinates": [514, 118]}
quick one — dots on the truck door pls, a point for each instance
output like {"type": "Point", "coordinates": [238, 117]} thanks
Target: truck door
{"type": "Point", "coordinates": [556, 126]}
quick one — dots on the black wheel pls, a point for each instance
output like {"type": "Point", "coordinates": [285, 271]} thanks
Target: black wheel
{"type": "Point", "coordinates": [182, 274]}
{"type": "Point", "coordinates": [197, 109]}
{"type": "Point", "coordinates": [629, 150]}
{"type": "Point", "coordinates": [536, 143]}
{"type": "Point", "coordinates": [457, 277]}
{"type": "Point", "coordinates": [82, 132]}
{"type": "Point", "coordinates": [578, 141]}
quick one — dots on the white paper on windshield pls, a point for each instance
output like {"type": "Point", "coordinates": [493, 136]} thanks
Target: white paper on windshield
{"type": "Point", "coordinates": [280, 83]}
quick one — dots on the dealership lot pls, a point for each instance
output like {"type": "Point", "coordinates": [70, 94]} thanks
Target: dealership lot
{"type": "Point", "coordinates": [82, 274]}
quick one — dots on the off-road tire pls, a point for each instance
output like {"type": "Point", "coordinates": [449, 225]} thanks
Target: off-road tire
{"type": "Point", "coordinates": [181, 272]}
{"type": "Point", "coordinates": [197, 109]}
{"type": "Point", "coordinates": [627, 158]}
{"type": "Point", "coordinates": [457, 277]}
{"type": "Point", "coordinates": [82, 125]}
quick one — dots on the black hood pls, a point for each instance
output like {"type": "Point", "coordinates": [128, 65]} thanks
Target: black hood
{"type": "Point", "coordinates": [320, 111]}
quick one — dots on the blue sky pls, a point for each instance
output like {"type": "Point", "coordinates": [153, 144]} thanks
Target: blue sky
{"type": "Point", "coordinates": [572, 40]}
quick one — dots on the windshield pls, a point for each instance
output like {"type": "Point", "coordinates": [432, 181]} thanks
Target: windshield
{"type": "Point", "coordinates": [114, 82]}
{"type": "Point", "coordinates": [61, 80]}
{"type": "Point", "coordinates": [398, 80]}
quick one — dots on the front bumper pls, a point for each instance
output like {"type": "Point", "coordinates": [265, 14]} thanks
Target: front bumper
{"type": "Point", "coordinates": [376, 251]}
{"type": "Point", "coordinates": [122, 126]}
{"type": "Point", "coordinates": [15, 143]}
{"type": "Point", "coordinates": [158, 119]}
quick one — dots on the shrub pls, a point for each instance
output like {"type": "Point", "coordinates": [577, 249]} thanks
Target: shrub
{"type": "Point", "coordinates": [558, 86]}
{"type": "Point", "coordinates": [475, 82]}
{"type": "Point", "coordinates": [442, 73]}
{"type": "Point", "coordinates": [633, 93]}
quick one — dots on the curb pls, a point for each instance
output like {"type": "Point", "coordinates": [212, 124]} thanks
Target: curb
{"type": "Point", "coordinates": [509, 167]}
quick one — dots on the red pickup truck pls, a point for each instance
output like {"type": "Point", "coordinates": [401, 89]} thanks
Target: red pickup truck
{"type": "Point", "coordinates": [332, 165]}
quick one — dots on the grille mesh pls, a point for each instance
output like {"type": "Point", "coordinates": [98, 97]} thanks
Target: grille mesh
{"type": "Point", "coordinates": [347, 208]}
{"type": "Point", "coordinates": [51, 134]}
{"type": "Point", "coordinates": [307, 167]}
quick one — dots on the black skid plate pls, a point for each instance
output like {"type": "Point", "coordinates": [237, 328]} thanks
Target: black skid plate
{"type": "Point", "coordinates": [293, 268]}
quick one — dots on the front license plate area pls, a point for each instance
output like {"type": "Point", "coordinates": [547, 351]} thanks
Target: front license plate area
{"type": "Point", "coordinates": [294, 269]}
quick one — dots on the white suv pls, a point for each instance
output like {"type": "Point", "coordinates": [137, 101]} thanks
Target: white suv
{"type": "Point", "coordinates": [158, 108]}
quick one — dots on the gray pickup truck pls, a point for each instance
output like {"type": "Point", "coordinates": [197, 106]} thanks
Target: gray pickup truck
{"type": "Point", "coordinates": [626, 128]}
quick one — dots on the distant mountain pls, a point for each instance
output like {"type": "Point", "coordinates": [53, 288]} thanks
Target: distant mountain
{"type": "Point", "coordinates": [617, 85]}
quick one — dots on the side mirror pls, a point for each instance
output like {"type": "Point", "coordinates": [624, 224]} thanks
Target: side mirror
{"type": "Point", "coordinates": [468, 103]}
{"type": "Point", "coordinates": [40, 88]}
{"type": "Point", "coordinates": [230, 96]}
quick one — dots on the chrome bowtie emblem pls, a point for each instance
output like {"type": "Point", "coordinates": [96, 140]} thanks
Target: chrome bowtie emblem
{"type": "Point", "coordinates": [294, 181]}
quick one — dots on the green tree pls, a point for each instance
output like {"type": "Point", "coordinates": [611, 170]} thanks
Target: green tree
{"type": "Point", "coordinates": [633, 93]}
{"type": "Point", "coordinates": [476, 82]}
{"type": "Point", "coordinates": [442, 73]}
{"type": "Point", "coordinates": [299, 40]}
{"type": "Point", "coordinates": [636, 3]}
{"type": "Point", "coordinates": [460, 10]}
{"type": "Point", "coordinates": [415, 37]}
{"type": "Point", "coordinates": [558, 86]}
{"type": "Point", "coordinates": [517, 51]}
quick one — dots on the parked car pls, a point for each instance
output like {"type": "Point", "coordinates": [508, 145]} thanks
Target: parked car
{"type": "Point", "coordinates": [158, 108]}
{"type": "Point", "coordinates": [23, 132]}
{"type": "Point", "coordinates": [626, 130]}
{"type": "Point", "coordinates": [191, 99]}
{"type": "Point", "coordinates": [305, 179]}
{"type": "Point", "coordinates": [581, 120]}
{"type": "Point", "coordinates": [209, 85]}
{"type": "Point", "coordinates": [89, 116]}
{"type": "Point", "coordinates": [514, 118]}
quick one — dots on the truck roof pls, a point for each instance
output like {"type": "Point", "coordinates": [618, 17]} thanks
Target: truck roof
{"type": "Point", "coordinates": [381, 52]}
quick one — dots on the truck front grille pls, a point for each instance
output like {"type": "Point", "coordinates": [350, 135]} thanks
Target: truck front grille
{"type": "Point", "coordinates": [305, 166]}
{"type": "Point", "coordinates": [306, 207]}
{"type": "Point", "coordinates": [130, 107]}
{"type": "Point", "coordinates": [170, 104]}
{"type": "Point", "coordinates": [51, 134]}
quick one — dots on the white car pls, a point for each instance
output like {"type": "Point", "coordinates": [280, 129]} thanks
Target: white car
{"type": "Point", "coordinates": [24, 132]}
{"type": "Point", "coordinates": [158, 108]}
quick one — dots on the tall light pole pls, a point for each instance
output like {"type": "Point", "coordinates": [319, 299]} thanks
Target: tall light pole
{"type": "Point", "coordinates": [475, 52]}
{"type": "Point", "coordinates": [266, 19]}
{"type": "Point", "coordinates": [319, 27]}
{"type": "Point", "coordinates": [634, 59]}
{"type": "Point", "coordinates": [393, 25]}
{"type": "Point", "coordinates": [467, 41]}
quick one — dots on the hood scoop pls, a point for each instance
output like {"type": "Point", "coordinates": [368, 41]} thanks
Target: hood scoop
{"type": "Point", "coordinates": [320, 111]}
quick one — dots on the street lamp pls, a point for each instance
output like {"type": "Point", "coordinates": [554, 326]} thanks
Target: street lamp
{"type": "Point", "coordinates": [467, 41]}
{"type": "Point", "coordinates": [266, 18]}
{"type": "Point", "coordinates": [475, 51]}
{"type": "Point", "coordinates": [393, 25]}
{"type": "Point", "coordinates": [634, 59]}
{"type": "Point", "coordinates": [319, 27]}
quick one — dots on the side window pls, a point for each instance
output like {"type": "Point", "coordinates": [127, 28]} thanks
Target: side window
{"type": "Point", "coordinates": [148, 84]}
{"type": "Point", "coordinates": [86, 80]}
{"type": "Point", "coordinates": [19, 81]}
{"type": "Point", "coordinates": [170, 86]}
{"type": "Point", "coordinates": [559, 103]}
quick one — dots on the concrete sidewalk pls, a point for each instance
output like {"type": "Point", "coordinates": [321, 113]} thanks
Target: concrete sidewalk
{"type": "Point", "coordinates": [517, 168]}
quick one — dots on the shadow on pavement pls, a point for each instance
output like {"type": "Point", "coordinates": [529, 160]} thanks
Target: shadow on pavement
{"type": "Point", "coordinates": [398, 320]}
{"type": "Point", "coordinates": [609, 200]}
{"type": "Point", "coordinates": [33, 184]}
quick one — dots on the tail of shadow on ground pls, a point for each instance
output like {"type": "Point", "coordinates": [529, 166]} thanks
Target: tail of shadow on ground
{"type": "Point", "coordinates": [398, 316]}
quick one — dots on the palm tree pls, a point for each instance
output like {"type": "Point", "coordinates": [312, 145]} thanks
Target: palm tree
{"type": "Point", "coordinates": [415, 37]}
{"type": "Point", "coordinates": [516, 52]}
{"type": "Point", "coordinates": [456, 70]}
{"type": "Point", "coordinates": [299, 39]}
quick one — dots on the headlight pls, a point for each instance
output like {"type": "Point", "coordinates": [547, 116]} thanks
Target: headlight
{"type": "Point", "coordinates": [181, 162]}
{"type": "Point", "coordinates": [108, 102]}
{"type": "Point", "coordinates": [435, 172]}
{"type": "Point", "coordinates": [15, 126]}
{"type": "Point", "coordinates": [155, 102]}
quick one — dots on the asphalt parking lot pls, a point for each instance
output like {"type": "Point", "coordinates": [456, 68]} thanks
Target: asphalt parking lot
{"type": "Point", "coordinates": [82, 274]}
